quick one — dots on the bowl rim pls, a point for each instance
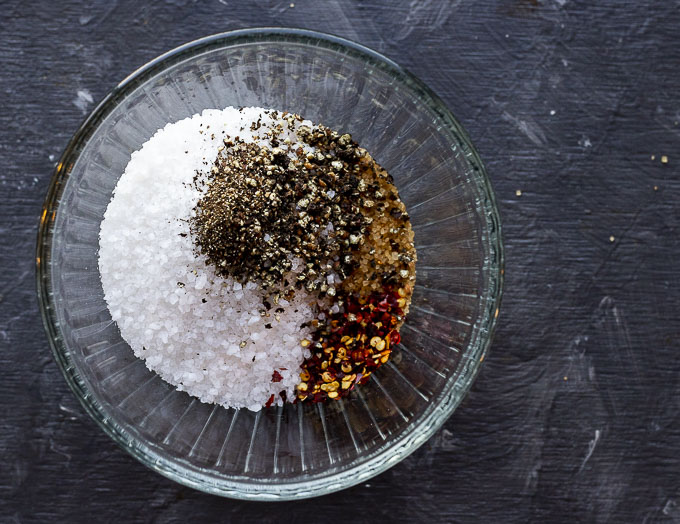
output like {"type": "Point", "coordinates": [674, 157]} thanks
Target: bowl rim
{"type": "Point", "coordinates": [454, 391]}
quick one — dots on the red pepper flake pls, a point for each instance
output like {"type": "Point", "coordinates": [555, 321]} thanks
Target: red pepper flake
{"type": "Point", "coordinates": [395, 337]}
{"type": "Point", "coordinates": [276, 377]}
{"type": "Point", "coordinates": [270, 401]}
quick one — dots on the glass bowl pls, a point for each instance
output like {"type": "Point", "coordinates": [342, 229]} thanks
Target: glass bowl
{"type": "Point", "coordinates": [300, 450]}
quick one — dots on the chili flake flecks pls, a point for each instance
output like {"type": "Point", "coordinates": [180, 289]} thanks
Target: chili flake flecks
{"type": "Point", "coordinates": [351, 346]}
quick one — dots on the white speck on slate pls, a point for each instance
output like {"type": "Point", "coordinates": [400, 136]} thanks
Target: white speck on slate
{"type": "Point", "coordinates": [669, 507]}
{"type": "Point", "coordinates": [585, 142]}
{"type": "Point", "coordinates": [552, 112]}
{"type": "Point", "coordinates": [530, 128]}
{"type": "Point", "coordinates": [82, 100]}
{"type": "Point", "coordinates": [591, 448]}
{"type": "Point", "coordinates": [51, 157]}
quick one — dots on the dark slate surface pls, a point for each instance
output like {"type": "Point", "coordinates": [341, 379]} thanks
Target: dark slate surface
{"type": "Point", "coordinates": [575, 415]}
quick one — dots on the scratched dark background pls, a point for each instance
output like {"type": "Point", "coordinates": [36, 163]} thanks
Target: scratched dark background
{"type": "Point", "coordinates": [576, 413]}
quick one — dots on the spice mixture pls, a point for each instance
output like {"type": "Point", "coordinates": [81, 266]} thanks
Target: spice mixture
{"type": "Point", "coordinates": [301, 218]}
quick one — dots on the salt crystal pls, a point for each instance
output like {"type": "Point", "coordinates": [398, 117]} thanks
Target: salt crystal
{"type": "Point", "coordinates": [201, 281]}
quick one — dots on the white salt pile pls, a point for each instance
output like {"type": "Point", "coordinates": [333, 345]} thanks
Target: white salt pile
{"type": "Point", "coordinates": [200, 332]}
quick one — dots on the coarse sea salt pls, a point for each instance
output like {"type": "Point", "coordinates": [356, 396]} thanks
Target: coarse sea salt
{"type": "Point", "coordinates": [200, 332]}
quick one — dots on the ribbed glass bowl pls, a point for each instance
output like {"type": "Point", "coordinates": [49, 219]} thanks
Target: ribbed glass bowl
{"type": "Point", "coordinates": [300, 450]}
